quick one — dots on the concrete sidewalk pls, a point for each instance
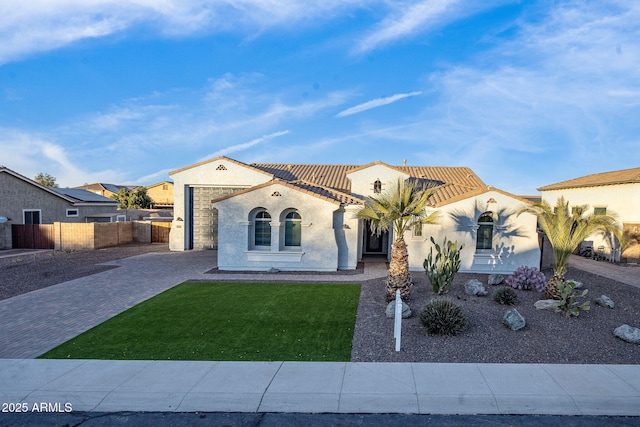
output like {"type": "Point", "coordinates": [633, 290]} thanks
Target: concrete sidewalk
{"type": "Point", "coordinates": [309, 387]}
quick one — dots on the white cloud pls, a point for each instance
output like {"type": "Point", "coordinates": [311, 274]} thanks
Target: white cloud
{"type": "Point", "coordinates": [243, 146]}
{"type": "Point", "coordinates": [560, 95]}
{"type": "Point", "coordinates": [375, 103]}
{"type": "Point", "coordinates": [410, 18]}
{"type": "Point", "coordinates": [23, 153]}
{"type": "Point", "coordinates": [28, 27]}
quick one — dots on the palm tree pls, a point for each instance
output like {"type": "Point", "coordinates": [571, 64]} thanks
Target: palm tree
{"type": "Point", "coordinates": [400, 208]}
{"type": "Point", "coordinates": [566, 229]}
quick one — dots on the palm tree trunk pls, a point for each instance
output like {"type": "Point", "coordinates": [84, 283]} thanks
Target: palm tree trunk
{"type": "Point", "coordinates": [399, 277]}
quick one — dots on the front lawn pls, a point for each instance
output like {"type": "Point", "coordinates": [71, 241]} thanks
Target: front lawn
{"type": "Point", "coordinates": [227, 321]}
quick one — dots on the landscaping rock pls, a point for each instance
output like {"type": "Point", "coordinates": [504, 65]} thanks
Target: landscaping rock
{"type": "Point", "coordinates": [578, 284]}
{"type": "Point", "coordinates": [475, 287]}
{"type": "Point", "coordinates": [273, 270]}
{"type": "Point", "coordinates": [391, 310]}
{"type": "Point", "coordinates": [628, 334]}
{"type": "Point", "coordinates": [495, 279]}
{"type": "Point", "coordinates": [605, 301]}
{"type": "Point", "coordinates": [514, 320]}
{"type": "Point", "coordinates": [546, 304]}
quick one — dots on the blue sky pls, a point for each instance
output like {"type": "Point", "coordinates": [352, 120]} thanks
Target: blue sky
{"type": "Point", "coordinates": [526, 93]}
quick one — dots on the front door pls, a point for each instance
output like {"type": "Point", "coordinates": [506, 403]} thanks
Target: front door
{"type": "Point", "coordinates": [374, 243]}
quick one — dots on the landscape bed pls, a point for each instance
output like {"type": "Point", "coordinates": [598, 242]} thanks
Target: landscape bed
{"type": "Point", "coordinates": [227, 321]}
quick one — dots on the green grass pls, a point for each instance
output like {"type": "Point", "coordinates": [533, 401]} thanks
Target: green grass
{"type": "Point", "coordinates": [227, 321]}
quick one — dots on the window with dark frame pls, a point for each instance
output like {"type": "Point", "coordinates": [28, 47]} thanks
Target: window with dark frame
{"type": "Point", "coordinates": [293, 229]}
{"type": "Point", "coordinates": [484, 239]}
{"type": "Point", "coordinates": [262, 229]}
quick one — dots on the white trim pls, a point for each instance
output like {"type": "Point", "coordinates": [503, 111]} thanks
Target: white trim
{"type": "Point", "coordinates": [284, 256]}
{"type": "Point", "coordinates": [32, 210]}
{"type": "Point", "coordinates": [70, 215]}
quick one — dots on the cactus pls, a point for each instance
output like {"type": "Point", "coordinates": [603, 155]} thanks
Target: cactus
{"type": "Point", "coordinates": [442, 268]}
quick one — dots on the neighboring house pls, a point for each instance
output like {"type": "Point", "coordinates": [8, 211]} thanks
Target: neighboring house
{"type": "Point", "coordinates": [161, 194]}
{"type": "Point", "coordinates": [303, 217]}
{"type": "Point", "coordinates": [106, 190]}
{"type": "Point", "coordinates": [24, 201]}
{"type": "Point", "coordinates": [616, 192]}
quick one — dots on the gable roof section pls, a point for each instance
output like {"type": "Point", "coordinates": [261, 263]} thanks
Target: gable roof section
{"type": "Point", "coordinates": [328, 194]}
{"type": "Point", "coordinates": [252, 167]}
{"type": "Point", "coordinates": [85, 196]}
{"type": "Point", "coordinates": [323, 179]}
{"type": "Point", "coordinates": [331, 176]}
{"type": "Point", "coordinates": [625, 176]}
{"type": "Point", "coordinates": [4, 169]}
{"type": "Point", "coordinates": [101, 186]}
{"type": "Point", "coordinates": [461, 179]}
{"type": "Point", "coordinates": [437, 201]}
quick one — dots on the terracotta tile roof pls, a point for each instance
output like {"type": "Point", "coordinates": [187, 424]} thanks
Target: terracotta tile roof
{"type": "Point", "coordinates": [625, 176]}
{"type": "Point", "coordinates": [332, 176]}
{"type": "Point", "coordinates": [335, 176]}
{"type": "Point", "coordinates": [328, 194]}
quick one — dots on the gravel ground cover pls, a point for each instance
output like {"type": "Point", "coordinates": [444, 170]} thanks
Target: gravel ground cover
{"type": "Point", "coordinates": [25, 273]}
{"type": "Point", "coordinates": [547, 338]}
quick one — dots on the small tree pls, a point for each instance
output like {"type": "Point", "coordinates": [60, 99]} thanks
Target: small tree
{"type": "Point", "coordinates": [138, 199]}
{"type": "Point", "coordinates": [565, 230]}
{"type": "Point", "coordinates": [399, 209]}
{"type": "Point", "coordinates": [46, 180]}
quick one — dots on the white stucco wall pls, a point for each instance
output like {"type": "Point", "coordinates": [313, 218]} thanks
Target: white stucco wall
{"type": "Point", "coordinates": [206, 174]}
{"type": "Point", "coordinates": [622, 201]}
{"type": "Point", "coordinates": [362, 180]}
{"type": "Point", "coordinates": [515, 240]}
{"type": "Point", "coordinates": [323, 232]}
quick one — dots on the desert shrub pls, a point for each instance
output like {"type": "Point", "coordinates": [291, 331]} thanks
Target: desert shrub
{"type": "Point", "coordinates": [567, 303]}
{"type": "Point", "coordinates": [442, 268]}
{"type": "Point", "coordinates": [505, 296]}
{"type": "Point", "coordinates": [443, 317]}
{"type": "Point", "coordinates": [527, 278]}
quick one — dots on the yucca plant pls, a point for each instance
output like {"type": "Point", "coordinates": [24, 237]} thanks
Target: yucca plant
{"type": "Point", "coordinates": [443, 317]}
{"type": "Point", "coordinates": [566, 229]}
{"type": "Point", "coordinates": [399, 209]}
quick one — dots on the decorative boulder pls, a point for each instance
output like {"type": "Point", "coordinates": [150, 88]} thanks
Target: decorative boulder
{"type": "Point", "coordinates": [575, 282]}
{"type": "Point", "coordinates": [605, 301]}
{"type": "Point", "coordinates": [547, 304]}
{"type": "Point", "coordinates": [391, 310]}
{"type": "Point", "coordinates": [495, 279]}
{"type": "Point", "coordinates": [628, 334]}
{"type": "Point", "coordinates": [514, 320]}
{"type": "Point", "coordinates": [475, 287]}
{"type": "Point", "coordinates": [273, 270]}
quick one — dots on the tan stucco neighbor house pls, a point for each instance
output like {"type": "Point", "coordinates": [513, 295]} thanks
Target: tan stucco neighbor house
{"type": "Point", "coordinates": [615, 192]}
{"type": "Point", "coordinates": [302, 217]}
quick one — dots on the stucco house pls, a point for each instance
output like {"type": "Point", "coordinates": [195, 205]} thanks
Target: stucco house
{"type": "Point", "coordinates": [303, 217]}
{"type": "Point", "coordinates": [25, 201]}
{"type": "Point", "coordinates": [615, 192]}
{"type": "Point", "coordinates": [161, 193]}
{"type": "Point", "coordinates": [106, 190]}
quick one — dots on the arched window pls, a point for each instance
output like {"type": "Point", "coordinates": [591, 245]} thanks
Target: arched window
{"type": "Point", "coordinates": [292, 229]}
{"type": "Point", "coordinates": [485, 231]}
{"type": "Point", "coordinates": [377, 186]}
{"type": "Point", "coordinates": [262, 229]}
